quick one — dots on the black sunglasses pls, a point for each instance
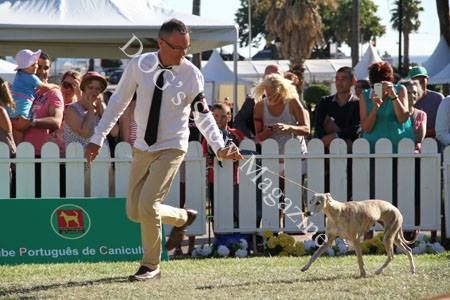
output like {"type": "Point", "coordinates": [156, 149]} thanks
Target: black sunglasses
{"type": "Point", "coordinates": [176, 47]}
{"type": "Point", "coordinates": [68, 85]}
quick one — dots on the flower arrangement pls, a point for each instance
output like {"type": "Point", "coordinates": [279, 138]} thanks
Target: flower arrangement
{"type": "Point", "coordinates": [339, 248]}
{"type": "Point", "coordinates": [424, 245]}
{"type": "Point", "coordinates": [282, 244]}
{"type": "Point", "coordinates": [421, 246]}
{"type": "Point", "coordinates": [374, 245]}
{"type": "Point", "coordinates": [225, 245]}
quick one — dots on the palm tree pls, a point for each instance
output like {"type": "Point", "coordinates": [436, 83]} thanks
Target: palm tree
{"type": "Point", "coordinates": [444, 18]}
{"type": "Point", "coordinates": [409, 23]}
{"type": "Point", "coordinates": [298, 26]}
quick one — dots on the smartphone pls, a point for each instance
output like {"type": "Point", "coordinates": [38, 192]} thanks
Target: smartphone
{"type": "Point", "coordinates": [378, 88]}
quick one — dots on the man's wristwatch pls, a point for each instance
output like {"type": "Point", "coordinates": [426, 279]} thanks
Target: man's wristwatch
{"type": "Point", "coordinates": [33, 122]}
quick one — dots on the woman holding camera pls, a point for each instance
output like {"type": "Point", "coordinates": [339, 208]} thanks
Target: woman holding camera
{"type": "Point", "coordinates": [384, 115]}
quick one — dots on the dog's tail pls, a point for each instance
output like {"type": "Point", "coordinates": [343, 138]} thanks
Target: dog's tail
{"type": "Point", "coordinates": [415, 235]}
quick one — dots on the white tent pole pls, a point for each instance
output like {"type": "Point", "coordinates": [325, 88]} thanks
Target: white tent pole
{"type": "Point", "coordinates": [235, 70]}
{"type": "Point", "coordinates": [249, 29]}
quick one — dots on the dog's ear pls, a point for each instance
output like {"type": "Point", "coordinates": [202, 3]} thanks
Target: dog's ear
{"type": "Point", "coordinates": [328, 196]}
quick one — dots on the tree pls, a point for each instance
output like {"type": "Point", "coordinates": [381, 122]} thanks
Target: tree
{"type": "Point", "coordinates": [298, 27]}
{"type": "Point", "coordinates": [259, 10]}
{"type": "Point", "coordinates": [444, 19]}
{"type": "Point", "coordinates": [410, 22]}
{"type": "Point", "coordinates": [337, 24]}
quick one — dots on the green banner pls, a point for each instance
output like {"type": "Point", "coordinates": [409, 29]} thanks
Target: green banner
{"type": "Point", "coordinates": [67, 230]}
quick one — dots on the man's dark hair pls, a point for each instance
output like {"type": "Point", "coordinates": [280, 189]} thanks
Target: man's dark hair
{"type": "Point", "coordinates": [171, 26]}
{"type": "Point", "coordinates": [349, 71]}
{"type": "Point", "coordinates": [45, 56]}
{"type": "Point", "coordinates": [365, 84]}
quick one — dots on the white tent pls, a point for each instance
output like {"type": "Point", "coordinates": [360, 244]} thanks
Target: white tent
{"type": "Point", "coordinates": [216, 70]}
{"type": "Point", "coordinates": [100, 29]}
{"type": "Point", "coordinates": [438, 59]}
{"type": "Point", "coordinates": [362, 67]}
{"type": "Point", "coordinates": [7, 70]}
{"type": "Point", "coordinates": [316, 70]}
{"type": "Point", "coordinates": [217, 76]}
{"type": "Point", "coordinates": [92, 28]}
{"type": "Point", "coordinates": [443, 77]}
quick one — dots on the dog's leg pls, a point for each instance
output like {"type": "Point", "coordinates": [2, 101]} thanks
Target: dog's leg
{"type": "Point", "coordinates": [407, 250]}
{"type": "Point", "coordinates": [390, 234]}
{"type": "Point", "coordinates": [388, 242]}
{"type": "Point", "coordinates": [320, 251]}
{"type": "Point", "coordinates": [358, 252]}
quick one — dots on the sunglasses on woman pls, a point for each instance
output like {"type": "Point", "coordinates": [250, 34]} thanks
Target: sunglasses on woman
{"type": "Point", "coordinates": [68, 85]}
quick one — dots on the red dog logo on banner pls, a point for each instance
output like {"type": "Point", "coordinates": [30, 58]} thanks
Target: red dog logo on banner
{"type": "Point", "coordinates": [70, 221]}
{"type": "Point", "coordinates": [70, 218]}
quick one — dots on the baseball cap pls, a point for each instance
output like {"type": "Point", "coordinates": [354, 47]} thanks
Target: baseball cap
{"type": "Point", "coordinates": [26, 58]}
{"type": "Point", "coordinates": [90, 76]}
{"type": "Point", "coordinates": [417, 71]}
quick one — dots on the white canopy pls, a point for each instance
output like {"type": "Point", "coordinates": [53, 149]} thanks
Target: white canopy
{"type": "Point", "coordinates": [92, 28]}
{"type": "Point", "coordinates": [438, 59]}
{"type": "Point", "coordinates": [218, 76]}
{"type": "Point", "coordinates": [316, 70]}
{"type": "Point", "coordinates": [7, 70]}
{"type": "Point", "coordinates": [443, 77]}
{"type": "Point", "coordinates": [362, 67]}
{"type": "Point", "coordinates": [217, 71]}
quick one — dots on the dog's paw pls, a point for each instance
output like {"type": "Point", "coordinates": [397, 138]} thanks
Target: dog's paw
{"type": "Point", "coordinates": [378, 272]}
{"type": "Point", "coordinates": [304, 269]}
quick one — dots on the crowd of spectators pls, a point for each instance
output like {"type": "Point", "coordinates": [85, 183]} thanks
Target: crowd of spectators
{"type": "Point", "coordinates": [36, 111]}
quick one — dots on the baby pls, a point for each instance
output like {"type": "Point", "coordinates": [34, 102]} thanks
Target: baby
{"type": "Point", "coordinates": [23, 90]}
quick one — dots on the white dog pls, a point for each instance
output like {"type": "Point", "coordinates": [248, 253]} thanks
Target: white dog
{"type": "Point", "coordinates": [353, 219]}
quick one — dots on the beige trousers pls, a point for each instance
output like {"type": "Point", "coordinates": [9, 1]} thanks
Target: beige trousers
{"type": "Point", "coordinates": [151, 176]}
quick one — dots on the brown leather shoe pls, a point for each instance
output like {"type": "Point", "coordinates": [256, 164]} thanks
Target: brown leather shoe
{"type": "Point", "coordinates": [145, 273]}
{"type": "Point", "coordinates": [177, 233]}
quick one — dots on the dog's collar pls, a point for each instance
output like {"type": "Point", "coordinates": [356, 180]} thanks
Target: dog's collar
{"type": "Point", "coordinates": [308, 213]}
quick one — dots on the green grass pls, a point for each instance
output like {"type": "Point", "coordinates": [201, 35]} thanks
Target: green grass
{"type": "Point", "coordinates": [251, 278]}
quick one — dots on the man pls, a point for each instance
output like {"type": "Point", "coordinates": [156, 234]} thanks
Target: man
{"type": "Point", "coordinates": [244, 118]}
{"type": "Point", "coordinates": [360, 86]}
{"type": "Point", "coordinates": [337, 116]}
{"type": "Point", "coordinates": [430, 100]}
{"type": "Point", "coordinates": [443, 123]}
{"type": "Point", "coordinates": [47, 109]}
{"type": "Point", "coordinates": [162, 137]}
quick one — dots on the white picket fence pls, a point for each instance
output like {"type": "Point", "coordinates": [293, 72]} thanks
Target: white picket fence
{"type": "Point", "coordinates": [108, 177]}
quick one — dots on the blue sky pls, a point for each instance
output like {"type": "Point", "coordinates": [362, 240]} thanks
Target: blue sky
{"type": "Point", "coordinates": [421, 43]}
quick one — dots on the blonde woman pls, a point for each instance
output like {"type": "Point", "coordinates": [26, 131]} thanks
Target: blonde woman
{"type": "Point", "coordinates": [70, 87]}
{"type": "Point", "coordinates": [278, 112]}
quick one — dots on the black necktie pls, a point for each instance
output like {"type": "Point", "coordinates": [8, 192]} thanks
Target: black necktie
{"type": "Point", "coordinates": [151, 132]}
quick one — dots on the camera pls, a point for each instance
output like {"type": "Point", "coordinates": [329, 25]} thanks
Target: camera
{"type": "Point", "coordinates": [378, 88]}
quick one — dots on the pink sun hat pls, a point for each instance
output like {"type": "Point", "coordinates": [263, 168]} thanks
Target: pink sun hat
{"type": "Point", "coordinates": [26, 58]}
